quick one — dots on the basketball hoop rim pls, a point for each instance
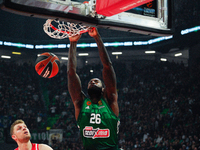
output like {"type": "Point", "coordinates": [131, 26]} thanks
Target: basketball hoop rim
{"type": "Point", "coordinates": [73, 29]}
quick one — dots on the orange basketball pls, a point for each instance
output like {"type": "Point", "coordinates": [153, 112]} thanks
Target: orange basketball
{"type": "Point", "coordinates": [47, 65]}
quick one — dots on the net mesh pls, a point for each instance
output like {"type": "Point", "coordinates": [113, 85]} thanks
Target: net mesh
{"type": "Point", "coordinates": [61, 30]}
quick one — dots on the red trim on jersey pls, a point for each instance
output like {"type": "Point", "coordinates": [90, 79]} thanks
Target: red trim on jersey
{"type": "Point", "coordinates": [34, 147]}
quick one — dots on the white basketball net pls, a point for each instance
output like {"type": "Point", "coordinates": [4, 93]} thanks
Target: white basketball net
{"type": "Point", "coordinates": [61, 30]}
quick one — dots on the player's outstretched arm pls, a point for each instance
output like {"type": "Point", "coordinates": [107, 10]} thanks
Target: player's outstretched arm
{"type": "Point", "coordinates": [74, 83]}
{"type": "Point", "coordinates": [109, 76]}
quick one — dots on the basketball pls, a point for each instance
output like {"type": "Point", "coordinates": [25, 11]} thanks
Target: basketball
{"type": "Point", "coordinates": [47, 65]}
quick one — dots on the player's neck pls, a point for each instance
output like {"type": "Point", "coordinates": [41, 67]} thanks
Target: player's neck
{"type": "Point", "coordinates": [25, 145]}
{"type": "Point", "coordinates": [95, 100]}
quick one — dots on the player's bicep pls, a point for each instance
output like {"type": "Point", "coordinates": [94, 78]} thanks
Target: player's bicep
{"type": "Point", "coordinates": [74, 87]}
{"type": "Point", "coordinates": [109, 79]}
{"type": "Point", "coordinates": [115, 108]}
{"type": "Point", "coordinates": [112, 99]}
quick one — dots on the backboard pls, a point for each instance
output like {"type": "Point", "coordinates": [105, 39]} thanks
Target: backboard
{"type": "Point", "coordinates": [149, 17]}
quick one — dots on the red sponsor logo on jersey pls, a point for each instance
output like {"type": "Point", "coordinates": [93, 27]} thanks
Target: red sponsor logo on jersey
{"type": "Point", "coordinates": [102, 133]}
{"type": "Point", "coordinates": [89, 132]}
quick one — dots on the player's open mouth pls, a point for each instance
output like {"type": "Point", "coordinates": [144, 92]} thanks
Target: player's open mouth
{"type": "Point", "coordinates": [93, 85]}
{"type": "Point", "coordinates": [26, 132]}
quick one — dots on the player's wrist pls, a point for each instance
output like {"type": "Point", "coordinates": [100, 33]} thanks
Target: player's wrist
{"type": "Point", "coordinates": [97, 36]}
{"type": "Point", "coordinates": [74, 42]}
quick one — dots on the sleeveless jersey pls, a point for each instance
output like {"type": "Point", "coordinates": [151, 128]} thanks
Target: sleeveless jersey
{"type": "Point", "coordinates": [34, 147]}
{"type": "Point", "coordinates": [98, 125]}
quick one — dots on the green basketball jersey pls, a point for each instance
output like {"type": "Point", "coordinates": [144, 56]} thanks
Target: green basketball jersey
{"type": "Point", "coordinates": [98, 126]}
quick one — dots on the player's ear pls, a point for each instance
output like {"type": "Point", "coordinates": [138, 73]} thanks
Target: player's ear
{"type": "Point", "coordinates": [14, 137]}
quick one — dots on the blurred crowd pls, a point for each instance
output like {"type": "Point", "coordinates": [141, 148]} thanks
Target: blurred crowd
{"type": "Point", "coordinates": [158, 102]}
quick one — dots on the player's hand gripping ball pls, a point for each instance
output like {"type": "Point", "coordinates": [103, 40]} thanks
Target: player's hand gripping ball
{"type": "Point", "coordinates": [47, 65]}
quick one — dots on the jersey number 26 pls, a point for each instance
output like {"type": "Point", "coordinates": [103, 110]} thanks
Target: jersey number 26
{"type": "Point", "coordinates": [95, 118]}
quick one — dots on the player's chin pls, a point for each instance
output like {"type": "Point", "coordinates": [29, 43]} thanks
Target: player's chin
{"type": "Point", "coordinates": [28, 136]}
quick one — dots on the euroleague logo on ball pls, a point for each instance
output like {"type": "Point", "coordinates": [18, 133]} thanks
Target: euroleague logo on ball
{"type": "Point", "coordinates": [47, 65]}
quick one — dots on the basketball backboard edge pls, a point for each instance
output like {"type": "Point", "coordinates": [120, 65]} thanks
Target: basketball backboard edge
{"type": "Point", "coordinates": [80, 13]}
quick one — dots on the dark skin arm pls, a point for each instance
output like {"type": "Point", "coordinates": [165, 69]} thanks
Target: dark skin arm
{"type": "Point", "coordinates": [109, 77]}
{"type": "Point", "coordinates": [74, 83]}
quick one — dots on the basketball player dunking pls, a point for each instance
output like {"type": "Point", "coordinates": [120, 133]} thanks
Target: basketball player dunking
{"type": "Point", "coordinates": [97, 116]}
{"type": "Point", "coordinates": [20, 133]}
